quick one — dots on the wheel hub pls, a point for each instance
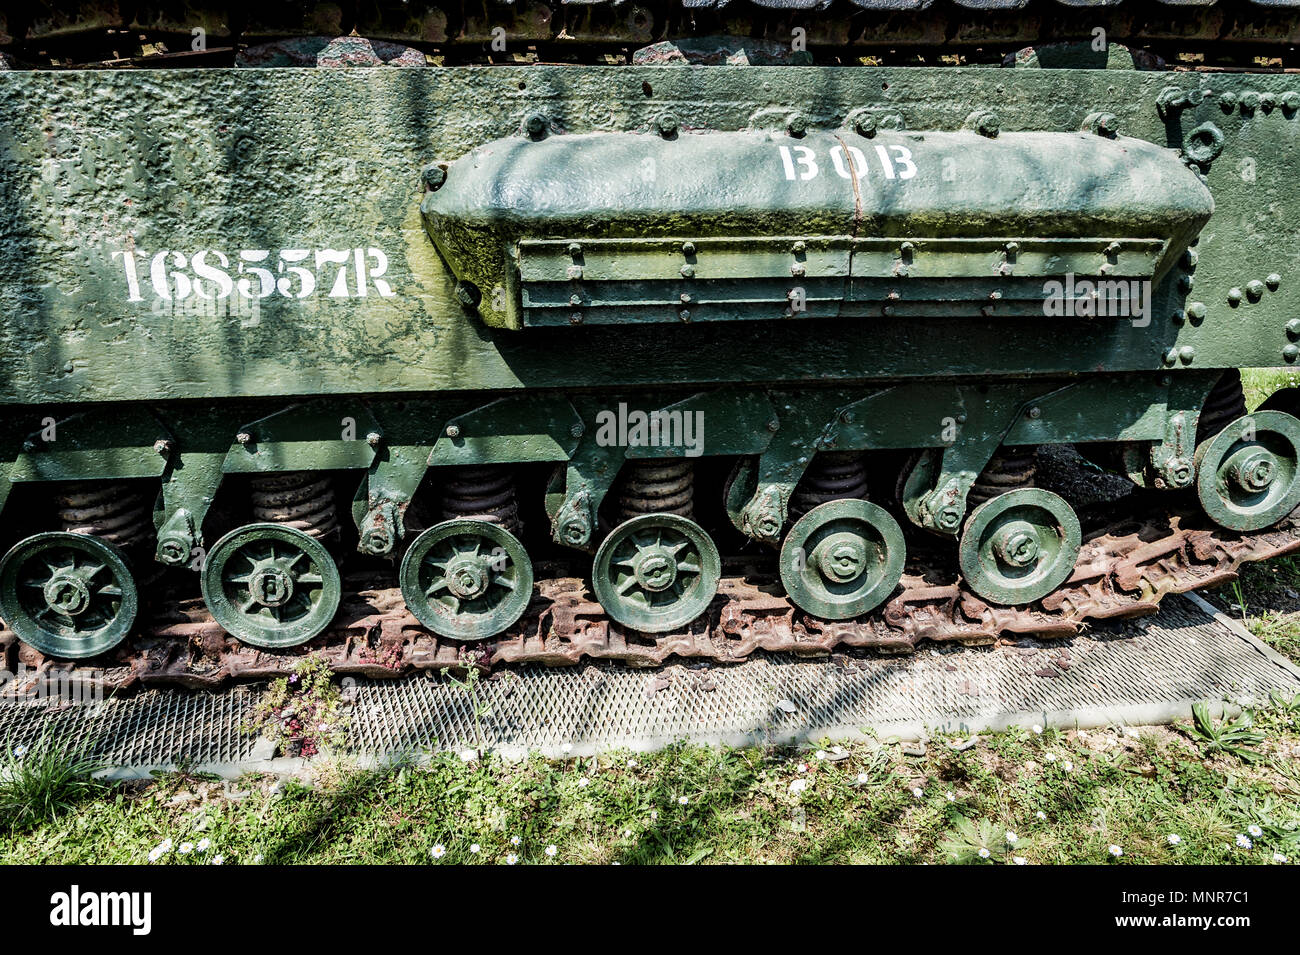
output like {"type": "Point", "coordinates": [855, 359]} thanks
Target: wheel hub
{"type": "Point", "coordinates": [270, 585]}
{"type": "Point", "coordinates": [467, 578]}
{"type": "Point", "coordinates": [1017, 544]}
{"type": "Point", "coordinates": [1252, 469]}
{"type": "Point", "coordinates": [67, 593]}
{"type": "Point", "coordinates": [841, 557]}
{"type": "Point", "coordinates": [656, 570]}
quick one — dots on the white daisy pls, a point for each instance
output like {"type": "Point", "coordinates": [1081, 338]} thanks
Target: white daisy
{"type": "Point", "coordinates": [1040, 816]}
{"type": "Point", "coordinates": [186, 848]}
{"type": "Point", "coordinates": [1243, 841]}
{"type": "Point", "coordinates": [475, 848]}
{"type": "Point", "coordinates": [1116, 851]}
{"type": "Point", "coordinates": [798, 786]}
{"type": "Point", "coordinates": [438, 851]}
{"type": "Point", "coordinates": [1067, 766]}
{"type": "Point", "coordinates": [551, 850]}
{"type": "Point", "coordinates": [1255, 831]}
{"type": "Point", "coordinates": [984, 853]}
{"type": "Point", "coordinates": [1019, 860]}
{"type": "Point", "coordinates": [584, 782]}
{"type": "Point", "coordinates": [1278, 857]}
{"type": "Point", "coordinates": [820, 754]}
{"type": "Point", "coordinates": [514, 840]}
{"type": "Point", "coordinates": [20, 752]}
{"type": "Point", "coordinates": [512, 859]}
{"type": "Point", "coordinates": [566, 748]}
{"type": "Point", "coordinates": [682, 800]}
{"type": "Point", "coordinates": [950, 797]}
{"type": "Point", "coordinates": [863, 778]}
{"type": "Point", "coordinates": [1012, 837]}
{"type": "Point", "coordinates": [1173, 838]}
{"type": "Point", "coordinates": [918, 792]}
{"type": "Point", "coordinates": [1038, 730]}
{"type": "Point", "coordinates": [218, 859]}
{"type": "Point", "coordinates": [203, 844]}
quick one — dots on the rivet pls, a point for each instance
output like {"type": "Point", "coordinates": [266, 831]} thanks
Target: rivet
{"type": "Point", "coordinates": [574, 272]}
{"type": "Point", "coordinates": [243, 437]}
{"type": "Point", "coordinates": [1291, 101]}
{"type": "Point", "coordinates": [846, 417]}
{"type": "Point", "coordinates": [688, 248]}
{"type": "Point", "coordinates": [374, 438]}
{"type": "Point", "coordinates": [1234, 296]}
{"type": "Point", "coordinates": [887, 311]}
{"type": "Point", "coordinates": [1196, 311]}
{"type": "Point", "coordinates": [985, 122]}
{"type": "Point", "coordinates": [1227, 102]}
{"type": "Point", "coordinates": [1012, 247]}
{"type": "Point", "coordinates": [1190, 258]}
{"type": "Point", "coordinates": [1185, 282]}
{"type": "Point", "coordinates": [797, 269]}
{"type": "Point", "coordinates": [684, 298]}
{"type": "Point", "coordinates": [688, 272]}
{"type": "Point", "coordinates": [575, 250]}
{"type": "Point", "coordinates": [684, 314]}
{"type": "Point", "coordinates": [773, 425]}
{"type": "Point", "coordinates": [1035, 412]}
{"type": "Point", "coordinates": [1291, 352]}
{"type": "Point", "coordinates": [666, 123]}
{"type": "Point", "coordinates": [1254, 289]}
{"type": "Point", "coordinates": [1186, 354]}
{"type": "Point", "coordinates": [799, 246]}
{"type": "Point", "coordinates": [1250, 102]}
{"type": "Point", "coordinates": [575, 299]}
{"type": "Point", "coordinates": [162, 446]}
{"type": "Point", "coordinates": [535, 124]}
{"type": "Point", "coordinates": [453, 431]}
{"type": "Point", "coordinates": [907, 247]}
{"type": "Point", "coordinates": [1273, 281]}
{"type": "Point", "coordinates": [1171, 356]}
{"type": "Point", "coordinates": [865, 125]}
{"type": "Point", "coordinates": [575, 318]}
{"type": "Point", "coordinates": [576, 431]}
{"type": "Point", "coordinates": [796, 125]}
{"type": "Point", "coordinates": [1178, 318]}
{"type": "Point", "coordinates": [1114, 248]}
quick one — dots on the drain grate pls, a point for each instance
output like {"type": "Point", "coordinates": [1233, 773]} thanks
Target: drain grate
{"type": "Point", "coordinates": [1144, 671]}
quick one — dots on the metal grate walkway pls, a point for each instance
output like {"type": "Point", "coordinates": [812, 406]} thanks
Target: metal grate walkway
{"type": "Point", "coordinates": [1132, 672]}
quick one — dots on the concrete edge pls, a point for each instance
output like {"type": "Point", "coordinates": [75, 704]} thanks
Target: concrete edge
{"type": "Point", "coordinates": [1144, 714]}
{"type": "Point", "coordinates": [1237, 627]}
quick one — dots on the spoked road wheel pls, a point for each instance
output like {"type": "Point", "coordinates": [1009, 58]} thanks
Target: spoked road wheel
{"type": "Point", "coordinates": [271, 586]}
{"type": "Point", "coordinates": [1248, 475]}
{"type": "Point", "coordinates": [1019, 546]}
{"type": "Point", "coordinates": [842, 559]}
{"type": "Point", "coordinates": [467, 579]}
{"type": "Point", "coordinates": [656, 572]}
{"type": "Point", "coordinates": [67, 595]}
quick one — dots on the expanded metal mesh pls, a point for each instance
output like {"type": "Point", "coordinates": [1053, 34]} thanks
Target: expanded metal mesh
{"type": "Point", "coordinates": [1120, 672]}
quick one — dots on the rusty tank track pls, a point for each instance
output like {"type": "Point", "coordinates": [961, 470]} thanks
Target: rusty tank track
{"type": "Point", "coordinates": [1126, 566]}
{"type": "Point", "coordinates": [71, 33]}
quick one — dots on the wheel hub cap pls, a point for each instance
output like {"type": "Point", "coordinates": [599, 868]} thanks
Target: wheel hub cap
{"type": "Point", "coordinates": [467, 578]}
{"type": "Point", "coordinates": [1017, 544]}
{"type": "Point", "coordinates": [841, 557]}
{"type": "Point", "coordinates": [271, 586]}
{"type": "Point", "coordinates": [656, 570]}
{"type": "Point", "coordinates": [1252, 469]}
{"type": "Point", "coordinates": [67, 594]}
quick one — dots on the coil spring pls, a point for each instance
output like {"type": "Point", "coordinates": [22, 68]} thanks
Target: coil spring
{"type": "Point", "coordinates": [831, 476]}
{"type": "Point", "coordinates": [117, 511]}
{"type": "Point", "coordinates": [656, 486]}
{"type": "Point", "coordinates": [482, 493]}
{"type": "Point", "coordinates": [303, 500]}
{"type": "Point", "coordinates": [1008, 469]}
{"type": "Point", "coordinates": [1225, 403]}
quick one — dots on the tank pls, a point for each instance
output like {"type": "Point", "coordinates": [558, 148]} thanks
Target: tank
{"type": "Point", "coordinates": [688, 347]}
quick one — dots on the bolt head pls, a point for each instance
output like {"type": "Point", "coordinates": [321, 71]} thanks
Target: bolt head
{"type": "Point", "coordinates": [535, 123]}
{"type": "Point", "coordinates": [575, 318]}
{"type": "Point", "coordinates": [1291, 352]}
{"type": "Point", "coordinates": [433, 176]}
{"type": "Point", "coordinates": [1186, 354]}
{"type": "Point", "coordinates": [1234, 296]}
{"type": "Point", "coordinates": [797, 124]}
{"type": "Point", "coordinates": [374, 438]}
{"type": "Point", "coordinates": [1254, 289]}
{"type": "Point", "coordinates": [162, 446]}
{"type": "Point", "coordinates": [1293, 328]}
{"type": "Point", "coordinates": [1273, 280]}
{"type": "Point", "coordinates": [575, 250]}
{"type": "Point", "coordinates": [243, 437]}
{"type": "Point", "coordinates": [1196, 311]}
{"type": "Point", "coordinates": [666, 123]}
{"type": "Point", "coordinates": [773, 425]}
{"type": "Point", "coordinates": [453, 431]}
{"type": "Point", "coordinates": [576, 431]}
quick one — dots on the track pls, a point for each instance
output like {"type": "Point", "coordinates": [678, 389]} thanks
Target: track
{"type": "Point", "coordinates": [1125, 568]}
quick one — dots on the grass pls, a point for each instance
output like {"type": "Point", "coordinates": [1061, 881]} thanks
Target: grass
{"type": "Point", "coordinates": [1229, 793]}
